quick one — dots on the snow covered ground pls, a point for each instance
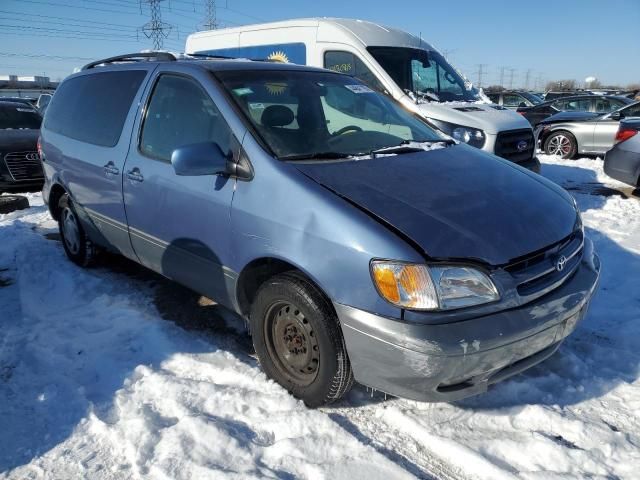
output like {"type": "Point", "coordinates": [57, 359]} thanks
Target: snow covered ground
{"type": "Point", "coordinates": [117, 373]}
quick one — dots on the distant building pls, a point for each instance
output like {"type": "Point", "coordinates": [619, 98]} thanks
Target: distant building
{"type": "Point", "coordinates": [25, 86]}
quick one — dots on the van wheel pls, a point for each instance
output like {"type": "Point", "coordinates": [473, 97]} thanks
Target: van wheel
{"type": "Point", "coordinates": [561, 143]}
{"type": "Point", "coordinates": [76, 244]}
{"type": "Point", "coordinates": [298, 340]}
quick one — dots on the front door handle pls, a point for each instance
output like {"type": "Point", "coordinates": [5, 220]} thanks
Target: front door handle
{"type": "Point", "coordinates": [135, 175]}
{"type": "Point", "coordinates": [111, 169]}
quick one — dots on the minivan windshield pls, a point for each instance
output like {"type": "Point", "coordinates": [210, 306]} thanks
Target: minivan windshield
{"type": "Point", "coordinates": [425, 74]}
{"type": "Point", "coordinates": [17, 116]}
{"type": "Point", "coordinates": [316, 115]}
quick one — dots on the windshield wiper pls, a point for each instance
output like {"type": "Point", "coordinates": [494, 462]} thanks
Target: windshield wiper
{"type": "Point", "coordinates": [409, 146]}
{"type": "Point", "coordinates": [318, 156]}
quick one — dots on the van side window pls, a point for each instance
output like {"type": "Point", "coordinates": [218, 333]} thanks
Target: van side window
{"type": "Point", "coordinates": [181, 113]}
{"type": "Point", "coordinates": [93, 108]}
{"type": "Point", "coordinates": [350, 64]}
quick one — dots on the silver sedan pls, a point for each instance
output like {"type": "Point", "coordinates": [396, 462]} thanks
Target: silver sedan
{"type": "Point", "coordinates": [567, 137]}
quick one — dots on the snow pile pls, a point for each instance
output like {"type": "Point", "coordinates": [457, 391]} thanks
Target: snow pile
{"type": "Point", "coordinates": [117, 373]}
{"type": "Point", "coordinates": [96, 384]}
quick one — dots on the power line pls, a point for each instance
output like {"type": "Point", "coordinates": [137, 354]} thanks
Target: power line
{"type": "Point", "coordinates": [42, 55]}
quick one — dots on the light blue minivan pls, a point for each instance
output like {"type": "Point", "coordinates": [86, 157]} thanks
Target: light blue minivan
{"type": "Point", "coordinates": [357, 240]}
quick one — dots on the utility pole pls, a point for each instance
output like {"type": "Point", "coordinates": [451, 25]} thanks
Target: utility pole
{"type": "Point", "coordinates": [526, 79]}
{"type": "Point", "coordinates": [480, 72]}
{"type": "Point", "coordinates": [446, 53]}
{"type": "Point", "coordinates": [511, 71]}
{"type": "Point", "coordinates": [502, 69]}
{"type": "Point", "coordinates": [155, 29]}
{"type": "Point", "coordinates": [210, 19]}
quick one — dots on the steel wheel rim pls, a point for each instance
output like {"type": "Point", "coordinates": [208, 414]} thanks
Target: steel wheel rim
{"type": "Point", "coordinates": [559, 145]}
{"type": "Point", "coordinates": [292, 343]}
{"type": "Point", "coordinates": [70, 231]}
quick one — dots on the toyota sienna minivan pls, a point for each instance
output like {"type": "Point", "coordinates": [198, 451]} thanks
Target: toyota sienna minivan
{"type": "Point", "coordinates": [357, 241]}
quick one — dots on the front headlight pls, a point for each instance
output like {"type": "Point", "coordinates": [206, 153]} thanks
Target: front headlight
{"type": "Point", "coordinates": [472, 136]}
{"type": "Point", "coordinates": [434, 287]}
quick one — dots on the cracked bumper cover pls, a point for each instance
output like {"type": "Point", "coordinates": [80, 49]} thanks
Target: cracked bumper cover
{"type": "Point", "coordinates": [446, 362]}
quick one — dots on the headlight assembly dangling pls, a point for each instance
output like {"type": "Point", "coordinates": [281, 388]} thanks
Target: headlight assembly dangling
{"type": "Point", "coordinates": [432, 287]}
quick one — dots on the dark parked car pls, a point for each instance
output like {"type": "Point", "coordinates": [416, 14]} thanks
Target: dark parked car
{"type": "Point", "coordinates": [596, 104]}
{"type": "Point", "coordinates": [20, 166]}
{"type": "Point", "coordinates": [514, 99]}
{"type": "Point", "coordinates": [357, 242]}
{"type": "Point", "coordinates": [553, 95]}
{"type": "Point", "coordinates": [622, 162]}
{"type": "Point", "coordinates": [569, 133]}
{"type": "Point", "coordinates": [30, 102]}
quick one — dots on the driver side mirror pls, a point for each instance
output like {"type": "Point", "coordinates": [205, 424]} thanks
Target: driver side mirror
{"type": "Point", "coordinates": [616, 115]}
{"type": "Point", "coordinates": [522, 104]}
{"type": "Point", "coordinates": [200, 159]}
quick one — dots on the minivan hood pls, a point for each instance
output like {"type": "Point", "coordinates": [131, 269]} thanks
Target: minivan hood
{"type": "Point", "coordinates": [490, 118]}
{"type": "Point", "coordinates": [456, 202]}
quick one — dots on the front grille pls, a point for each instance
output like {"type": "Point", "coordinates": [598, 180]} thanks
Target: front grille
{"type": "Point", "coordinates": [507, 145]}
{"type": "Point", "coordinates": [538, 274]}
{"type": "Point", "coordinates": [24, 166]}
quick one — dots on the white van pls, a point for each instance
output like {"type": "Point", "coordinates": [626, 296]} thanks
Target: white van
{"type": "Point", "coordinates": [387, 59]}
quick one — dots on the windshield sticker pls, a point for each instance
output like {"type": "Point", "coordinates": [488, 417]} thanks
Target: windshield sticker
{"type": "Point", "coordinates": [359, 88]}
{"type": "Point", "coordinates": [242, 91]}
{"type": "Point", "coordinates": [256, 106]}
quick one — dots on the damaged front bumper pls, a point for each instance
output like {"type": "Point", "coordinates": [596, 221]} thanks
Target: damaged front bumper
{"type": "Point", "coordinates": [450, 361]}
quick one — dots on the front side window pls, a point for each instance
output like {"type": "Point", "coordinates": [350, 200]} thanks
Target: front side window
{"type": "Point", "coordinates": [320, 115]}
{"type": "Point", "coordinates": [424, 73]}
{"type": "Point", "coordinates": [512, 100]}
{"type": "Point", "coordinates": [181, 113]}
{"type": "Point", "coordinates": [350, 64]}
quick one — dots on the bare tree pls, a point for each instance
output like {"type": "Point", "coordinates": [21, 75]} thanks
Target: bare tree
{"type": "Point", "coordinates": [561, 85]}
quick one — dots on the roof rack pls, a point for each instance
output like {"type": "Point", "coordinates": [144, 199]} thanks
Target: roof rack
{"type": "Point", "coordinates": [134, 57]}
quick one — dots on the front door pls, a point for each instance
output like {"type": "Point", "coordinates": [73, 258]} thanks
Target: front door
{"type": "Point", "coordinates": [179, 226]}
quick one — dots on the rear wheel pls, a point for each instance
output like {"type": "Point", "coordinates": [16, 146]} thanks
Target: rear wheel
{"type": "Point", "coordinates": [298, 340]}
{"type": "Point", "coordinates": [78, 247]}
{"type": "Point", "coordinates": [561, 143]}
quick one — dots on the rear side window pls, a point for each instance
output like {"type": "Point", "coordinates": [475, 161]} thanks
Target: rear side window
{"type": "Point", "coordinates": [181, 113]}
{"type": "Point", "coordinates": [16, 116]}
{"type": "Point", "coordinates": [93, 108]}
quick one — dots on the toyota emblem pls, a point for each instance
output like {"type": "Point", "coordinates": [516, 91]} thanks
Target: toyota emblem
{"type": "Point", "coordinates": [522, 145]}
{"type": "Point", "coordinates": [561, 263]}
{"type": "Point", "coordinates": [32, 157]}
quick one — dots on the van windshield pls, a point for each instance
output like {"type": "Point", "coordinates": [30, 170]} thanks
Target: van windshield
{"type": "Point", "coordinates": [425, 74]}
{"type": "Point", "coordinates": [316, 115]}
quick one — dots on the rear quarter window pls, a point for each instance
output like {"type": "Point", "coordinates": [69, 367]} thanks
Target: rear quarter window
{"type": "Point", "coordinates": [93, 108]}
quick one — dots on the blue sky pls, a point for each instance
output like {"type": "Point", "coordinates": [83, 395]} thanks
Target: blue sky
{"type": "Point", "coordinates": [552, 39]}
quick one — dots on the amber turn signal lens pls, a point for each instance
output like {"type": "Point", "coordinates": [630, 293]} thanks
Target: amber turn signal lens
{"type": "Point", "coordinates": [406, 285]}
{"type": "Point", "coordinates": [385, 279]}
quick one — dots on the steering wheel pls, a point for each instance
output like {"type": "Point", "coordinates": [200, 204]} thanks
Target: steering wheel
{"type": "Point", "coordinates": [348, 128]}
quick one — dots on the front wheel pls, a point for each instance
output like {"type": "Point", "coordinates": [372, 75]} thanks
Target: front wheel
{"type": "Point", "coordinates": [298, 340]}
{"type": "Point", "coordinates": [78, 247]}
{"type": "Point", "coordinates": [562, 144]}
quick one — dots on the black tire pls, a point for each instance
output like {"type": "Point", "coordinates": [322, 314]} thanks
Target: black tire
{"type": "Point", "coordinates": [561, 143]}
{"type": "Point", "coordinates": [80, 249]}
{"type": "Point", "coordinates": [11, 203]}
{"type": "Point", "coordinates": [309, 358]}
